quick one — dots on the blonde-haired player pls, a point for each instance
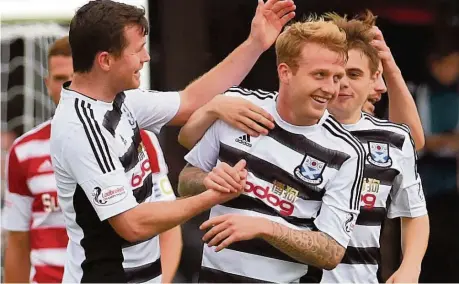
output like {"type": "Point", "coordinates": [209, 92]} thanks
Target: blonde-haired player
{"type": "Point", "coordinates": [300, 197]}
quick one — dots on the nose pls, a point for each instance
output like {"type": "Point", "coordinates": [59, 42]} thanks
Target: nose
{"type": "Point", "coordinates": [380, 86]}
{"type": "Point", "coordinates": [145, 57]}
{"type": "Point", "coordinates": [330, 87]}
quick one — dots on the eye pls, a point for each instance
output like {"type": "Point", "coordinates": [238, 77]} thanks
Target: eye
{"type": "Point", "coordinates": [320, 75]}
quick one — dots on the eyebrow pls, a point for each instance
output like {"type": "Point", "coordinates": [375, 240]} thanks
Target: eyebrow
{"type": "Point", "coordinates": [354, 70]}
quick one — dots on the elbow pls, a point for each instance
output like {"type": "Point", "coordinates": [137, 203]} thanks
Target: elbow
{"type": "Point", "coordinates": [182, 139]}
{"type": "Point", "coordinates": [420, 142]}
{"type": "Point", "coordinates": [333, 262]}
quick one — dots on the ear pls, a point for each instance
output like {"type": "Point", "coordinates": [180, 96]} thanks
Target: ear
{"type": "Point", "coordinates": [104, 60]}
{"type": "Point", "coordinates": [285, 73]}
{"type": "Point", "coordinates": [47, 81]}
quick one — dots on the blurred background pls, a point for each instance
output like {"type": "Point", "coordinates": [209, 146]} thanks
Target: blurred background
{"type": "Point", "coordinates": [187, 38]}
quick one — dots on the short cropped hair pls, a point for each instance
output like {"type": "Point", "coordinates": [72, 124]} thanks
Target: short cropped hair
{"type": "Point", "coordinates": [358, 34]}
{"type": "Point", "coordinates": [60, 47]}
{"type": "Point", "coordinates": [99, 26]}
{"type": "Point", "coordinates": [312, 30]}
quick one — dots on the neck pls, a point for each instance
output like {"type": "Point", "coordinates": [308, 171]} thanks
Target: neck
{"type": "Point", "coordinates": [348, 118]}
{"type": "Point", "coordinates": [290, 114]}
{"type": "Point", "coordinates": [92, 86]}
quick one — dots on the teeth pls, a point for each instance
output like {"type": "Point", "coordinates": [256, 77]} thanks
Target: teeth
{"type": "Point", "coordinates": [320, 99]}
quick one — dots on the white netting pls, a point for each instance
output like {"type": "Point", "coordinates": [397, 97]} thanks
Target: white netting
{"type": "Point", "coordinates": [24, 98]}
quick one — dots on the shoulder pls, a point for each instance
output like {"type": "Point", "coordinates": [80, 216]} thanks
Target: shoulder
{"type": "Point", "coordinates": [395, 133]}
{"type": "Point", "coordinates": [34, 140]}
{"type": "Point", "coordinates": [343, 139]}
{"type": "Point", "coordinates": [258, 95]}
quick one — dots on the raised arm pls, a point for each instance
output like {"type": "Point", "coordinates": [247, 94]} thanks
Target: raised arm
{"type": "Point", "coordinates": [402, 108]}
{"type": "Point", "coordinates": [267, 23]}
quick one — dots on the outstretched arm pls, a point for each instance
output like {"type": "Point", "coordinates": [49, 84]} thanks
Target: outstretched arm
{"type": "Point", "coordinates": [402, 108]}
{"type": "Point", "coordinates": [268, 22]}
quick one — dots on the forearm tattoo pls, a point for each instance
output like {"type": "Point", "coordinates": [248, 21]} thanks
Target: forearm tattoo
{"type": "Point", "coordinates": [309, 247]}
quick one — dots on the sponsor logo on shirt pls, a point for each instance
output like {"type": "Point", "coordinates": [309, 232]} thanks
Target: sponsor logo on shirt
{"type": "Point", "coordinates": [274, 197]}
{"type": "Point", "coordinates": [109, 196]}
{"type": "Point", "coordinates": [244, 140]}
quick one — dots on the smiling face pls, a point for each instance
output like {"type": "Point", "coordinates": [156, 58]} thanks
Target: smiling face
{"type": "Point", "coordinates": [314, 84]}
{"type": "Point", "coordinates": [125, 70]}
{"type": "Point", "coordinates": [354, 88]}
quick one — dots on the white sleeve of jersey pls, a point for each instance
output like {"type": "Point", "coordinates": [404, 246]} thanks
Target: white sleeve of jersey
{"type": "Point", "coordinates": [94, 164]}
{"type": "Point", "coordinates": [153, 109]}
{"type": "Point", "coordinates": [340, 204]}
{"type": "Point", "coordinates": [408, 200]}
{"type": "Point", "coordinates": [204, 154]}
{"type": "Point", "coordinates": [17, 212]}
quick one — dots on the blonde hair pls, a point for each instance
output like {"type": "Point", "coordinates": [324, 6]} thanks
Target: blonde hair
{"type": "Point", "coordinates": [358, 34]}
{"type": "Point", "coordinates": [312, 30]}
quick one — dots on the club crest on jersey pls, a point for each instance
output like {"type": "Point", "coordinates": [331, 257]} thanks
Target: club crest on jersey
{"type": "Point", "coordinates": [379, 154]}
{"type": "Point", "coordinates": [310, 170]}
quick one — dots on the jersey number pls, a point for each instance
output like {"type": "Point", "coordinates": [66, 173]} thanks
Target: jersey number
{"type": "Point", "coordinates": [369, 200]}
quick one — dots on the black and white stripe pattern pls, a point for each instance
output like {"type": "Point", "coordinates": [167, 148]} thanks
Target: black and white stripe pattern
{"type": "Point", "coordinates": [259, 94]}
{"type": "Point", "coordinates": [95, 137]}
{"type": "Point", "coordinates": [337, 130]}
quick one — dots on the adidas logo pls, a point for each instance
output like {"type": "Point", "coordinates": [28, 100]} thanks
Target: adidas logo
{"type": "Point", "coordinates": [244, 140]}
{"type": "Point", "coordinates": [45, 167]}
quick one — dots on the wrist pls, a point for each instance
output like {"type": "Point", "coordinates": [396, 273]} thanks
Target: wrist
{"type": "Point", "coordinates": [391, 69]}
{"type": "Point", "coordinates": [265, 230]}
{"type": "Point", "coordinates": [254, 46]}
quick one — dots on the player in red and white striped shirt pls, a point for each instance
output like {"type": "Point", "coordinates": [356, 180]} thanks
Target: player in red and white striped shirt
{"type": "Point", "coordinates": [37, 239]}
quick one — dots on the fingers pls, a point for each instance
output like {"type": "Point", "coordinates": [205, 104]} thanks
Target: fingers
{"type": "Point", "coordinates": [279, 5]}
{"type": "Point", "coordinates": [261, 116]}
{"type": "Point", "coordinates": [226, 243]}
{"type": "Point", "coordinates": [240, 165]}
{"type": "Point", "coordinates": [286, 11]}
{"type": "Point", "coordinates": [213, 232]}
{"type": "Point", "coordinates": [287, 18]}
{"type": "Point", "coordinates": [379, 45]}
{"type": "Point", "coordinates": [241, 126]}
{"type": "Point", "coordinates": [229, 174]}
{"type": "Point", "coordinates": [220, 236]}
{"type": "Point", "coordinates": [219, 181]}
{"type": "Point", "coordinates": [253, 125]}
{"type": "Point", "coordinates": [212, 221]}
{"type": "Point", "coordinates": [210, 184]}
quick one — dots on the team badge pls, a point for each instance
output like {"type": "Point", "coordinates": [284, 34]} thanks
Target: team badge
{"type": "Point", "coordinates": [310, 170]}
{"type": "Point", "coordinates": [379, 154]}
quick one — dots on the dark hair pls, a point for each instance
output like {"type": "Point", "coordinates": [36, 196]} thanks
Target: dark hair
{"type": "Point", "coordinates": [99, 26]}
{"type": "Point", "coordinates": [60, 47]}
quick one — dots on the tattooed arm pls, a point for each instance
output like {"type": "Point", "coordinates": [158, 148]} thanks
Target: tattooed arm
{"type": "Point", "coordinates": [309, 247]}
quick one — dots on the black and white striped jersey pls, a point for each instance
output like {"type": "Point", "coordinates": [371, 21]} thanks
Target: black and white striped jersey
{"type": "Point", "coordinates": [305, 177]}
{"type": "Point", "coordinates": [102, 169]}
{"type": "Point", "coordinates": [391, 187]}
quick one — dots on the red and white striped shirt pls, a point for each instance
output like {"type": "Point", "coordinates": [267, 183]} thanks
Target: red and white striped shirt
{"type": "Point", "coordinates": [31, 203]}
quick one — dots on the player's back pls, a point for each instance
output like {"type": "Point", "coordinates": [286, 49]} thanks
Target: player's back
{"type": "Point", "coordinates": [389, 172]}
{"type": "Point", "coordinates": [115, 151]}
{"type": "Point", "coordinates": [31, 203]}
{"type": "Point", "coordinates": [289, 172]}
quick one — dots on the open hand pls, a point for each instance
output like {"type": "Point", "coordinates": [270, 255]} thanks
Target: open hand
{"type": "Point", "coordinates": [230, 228]}
{"type": "Point", "coordinates": [269, 20]}
{"type": "Point", "coordinates": [243, 114]}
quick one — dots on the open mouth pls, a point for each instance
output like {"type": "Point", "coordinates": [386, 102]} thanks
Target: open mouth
{"type": "Point", "coordinates": [320, 99]}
